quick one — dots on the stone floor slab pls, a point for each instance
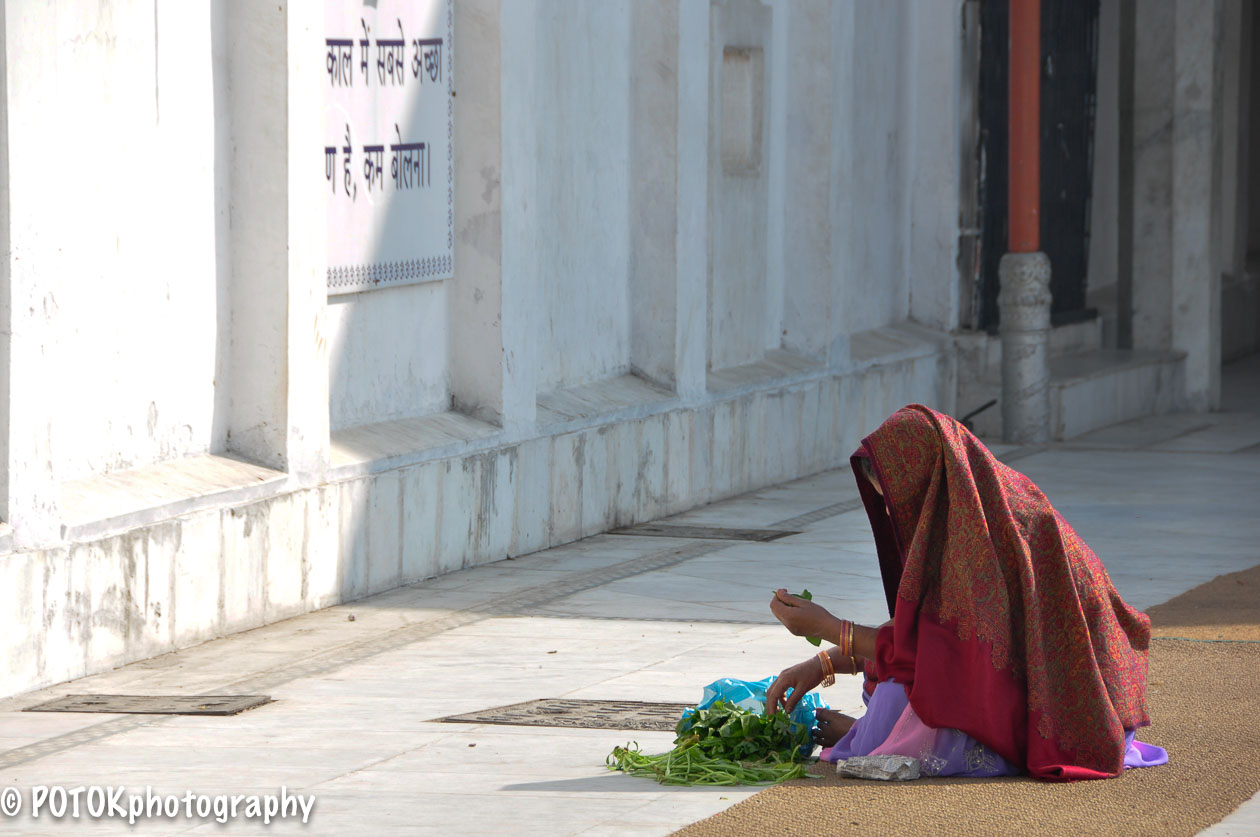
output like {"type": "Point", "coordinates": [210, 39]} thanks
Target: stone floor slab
{"type": "Point", "coordinates": [355, 701]}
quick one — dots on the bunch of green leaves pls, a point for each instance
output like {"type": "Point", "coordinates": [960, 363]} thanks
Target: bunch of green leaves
{"type": "Point", "coordinates": [809, 597]}
{"type": "Point", "coordinates": [688, 765]}
{"type": "Point", "coordinates": [731, 731]}
{"type": "Point", "coordinates": [724, 744]}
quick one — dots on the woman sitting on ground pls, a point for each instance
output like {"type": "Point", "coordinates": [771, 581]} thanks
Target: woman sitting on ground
{"type": "Point", "coordinates": [1009, 649]}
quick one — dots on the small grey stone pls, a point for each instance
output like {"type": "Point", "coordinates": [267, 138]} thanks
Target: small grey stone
{"type": "Point", "coordinates": [886, 768]}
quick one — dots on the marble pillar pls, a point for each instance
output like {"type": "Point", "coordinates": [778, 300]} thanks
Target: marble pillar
{"type": "Point", "coordinates": [1176, 188]}
{"type": "Point", "coordinates": [1151, 246]}
{"type": "Point", "coordinates": [1024, 308]}
{"type": "Point", "coordinates": [1196, 197]}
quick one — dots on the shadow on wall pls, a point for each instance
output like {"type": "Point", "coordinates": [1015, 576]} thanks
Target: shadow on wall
{"type": "Point", "coordinates": [388, 352]}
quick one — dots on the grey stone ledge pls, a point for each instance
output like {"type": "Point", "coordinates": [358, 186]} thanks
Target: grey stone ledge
{"type": "Point", "coordinates": [893, 344]}
{"type": "Point", "coordinates": [108, 504]}
{"type": "Point", "coordinates": [623, 398]}
{"type": "Point", "coordinates": [386, 445]}
{"type": "Point", "coordinates": [1068, 369]}
{"type": "Point", "coordinates": [779, 368]}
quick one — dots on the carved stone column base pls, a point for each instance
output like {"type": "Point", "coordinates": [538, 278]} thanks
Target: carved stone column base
{"type": "Point", "coordinates": [1024, 308]}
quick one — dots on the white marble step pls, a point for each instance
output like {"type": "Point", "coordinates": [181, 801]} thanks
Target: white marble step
{"type": "Point", "coordinates": [1090, 390]}
{"type": "Point", "coordinates": [1098, 389]}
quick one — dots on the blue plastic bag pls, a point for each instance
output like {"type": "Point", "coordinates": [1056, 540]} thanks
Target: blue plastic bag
{"type": "Point", "coordinates": [751, 695]}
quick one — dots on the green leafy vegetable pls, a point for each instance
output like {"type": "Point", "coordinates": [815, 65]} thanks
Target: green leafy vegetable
{"type": "Point", "coordinates": [812, 640]}
{"type": "Point", "coordinates": [809, 597]}
{"type": "Point", "coordinates": [724, 745]}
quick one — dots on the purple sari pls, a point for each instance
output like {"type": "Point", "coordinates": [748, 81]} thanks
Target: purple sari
{"type": "Point", "coordinates": [891, 727]}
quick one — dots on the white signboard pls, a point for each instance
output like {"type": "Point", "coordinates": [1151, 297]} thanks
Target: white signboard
{"type": "Point", "coordinates": [388, 124]}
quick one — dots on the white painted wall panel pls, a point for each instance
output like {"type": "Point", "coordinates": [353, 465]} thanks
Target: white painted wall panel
{"type": "Point", "coordinates": [112, 176]}
{"type": "Point", "coordinates": [388, 354]}
{"type": "Point", "coordinates": [876, 290]}
{"type": "Point", "coordinates": [582, 107]}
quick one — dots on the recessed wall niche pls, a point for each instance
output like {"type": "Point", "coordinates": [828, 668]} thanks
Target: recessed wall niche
{"type": "Point", "coordinates": [743, 95]}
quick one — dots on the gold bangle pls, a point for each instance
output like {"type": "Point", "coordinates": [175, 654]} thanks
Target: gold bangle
{"type": "Point", "coordinates": [829, 671]}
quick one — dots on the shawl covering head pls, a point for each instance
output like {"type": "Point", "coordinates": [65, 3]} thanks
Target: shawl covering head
{"type": "Point", "coordinates": [1006, 626]}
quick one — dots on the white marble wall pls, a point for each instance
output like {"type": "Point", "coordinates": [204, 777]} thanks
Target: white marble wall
{"type": "Point", "coordinates": [84, 607]}
{"type": "Point", "coordinates": [585, 57]}
{"type": "Point", "coordinates": [634, 326]}
{"type": "Point", "coordinates": [800, 234]}
{"type": "Point", "coordinates": [870, 176]}
{"type": "Point", "coordinates": [388, 354]}
{"type": "Point", "coordinates": [740, 81]}
{"type": "Point", "coordinates": [129, 128]}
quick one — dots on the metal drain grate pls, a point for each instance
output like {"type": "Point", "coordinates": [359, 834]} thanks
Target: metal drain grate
{"type": "Point", "coordinates": [153, 704]}
{"type": "Point", "coordinates": [587, 714]}
{"type": "Point", "coordinates": [663, 530]}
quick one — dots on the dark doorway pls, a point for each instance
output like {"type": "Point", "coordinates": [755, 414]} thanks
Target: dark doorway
{"type": "Point", "coordinates": [1240, 280]}
{"type": "Point", "coordinates": [1069, 60]}
{"type": "Point", "coordinates": [1251, 133]}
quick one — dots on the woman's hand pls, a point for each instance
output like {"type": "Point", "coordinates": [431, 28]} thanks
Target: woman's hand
{"type": "Point", "coordinates": [832, 726]}
{"type": "Point", "coordinates": [800, 678]}
{"type": "Point", "coordinates": [803, 617]}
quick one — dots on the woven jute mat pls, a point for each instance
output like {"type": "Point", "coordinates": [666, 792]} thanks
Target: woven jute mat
{"type": "Point", "coordinates": [1204, 696]}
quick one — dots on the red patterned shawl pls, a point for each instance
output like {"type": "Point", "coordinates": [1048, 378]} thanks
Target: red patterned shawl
{"type": "Point", "coordinates": [1006, 626]}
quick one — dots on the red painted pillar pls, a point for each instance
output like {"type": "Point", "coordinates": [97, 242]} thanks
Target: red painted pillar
{"type": "Point", "coordinates": [1024, 182]}
{"type": "Point", "coordinates": [1024, 272]}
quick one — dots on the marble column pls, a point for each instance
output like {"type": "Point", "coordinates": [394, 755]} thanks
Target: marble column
{"type": "Point", "coordinates": [1152, 114]}
{"type": "Point", "coordinates": [478, 366]}
{"type": "Point", "coordinates": [279, 357]}
{"type": "Point", "coordinates": [522, 227]}
{"type": "Point", "coordinates": [1194, 314]}
{"type": "Point", "coordinates": [693, 222]}
{"type": "Point", "coordinates": [653, 280]}
{"type": "Point", "coordinates": [1024, 311]}
{"type": "Point", "coordinates": [1176, 188]}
